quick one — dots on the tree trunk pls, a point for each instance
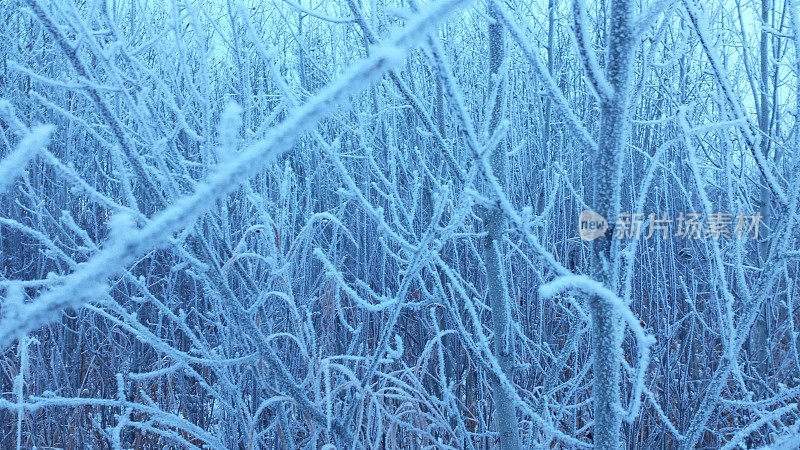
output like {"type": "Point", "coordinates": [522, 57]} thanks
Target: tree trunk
{"type": "Point", "coordinates": [606, 327]}
{"type": "Point", "coordinates": [505, 409]}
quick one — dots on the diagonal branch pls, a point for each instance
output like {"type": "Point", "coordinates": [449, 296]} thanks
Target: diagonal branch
{"type": "Point", "coordinates": [88, 281]}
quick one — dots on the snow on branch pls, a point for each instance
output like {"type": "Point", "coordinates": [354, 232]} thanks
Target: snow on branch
{"type": "Point", "coordinates": [591, 287]}
{"type": "Point", "coordinates": [13, 165]}
{"type": "Point", "coordinates": [88, 281]}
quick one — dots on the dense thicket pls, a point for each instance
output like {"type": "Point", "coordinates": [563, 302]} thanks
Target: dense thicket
{"type": "Point", "coordinates": [300, 223]}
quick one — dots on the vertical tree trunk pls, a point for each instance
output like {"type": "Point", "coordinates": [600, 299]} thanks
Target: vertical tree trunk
{"type": "Point", "coordinates": [606, 327]}
{"type": "Point", "coordinates": [759, 344]}
{"type": "Point", "coordinates": [505, 409]}
{"type": "Point", "coordinates": [551, 9]}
